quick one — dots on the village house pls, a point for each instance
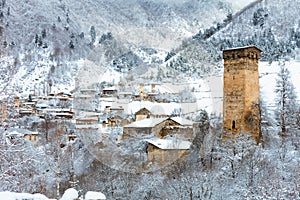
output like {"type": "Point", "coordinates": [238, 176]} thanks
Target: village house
{"type": "Point", "coordinates": [178, 126]}
{"type": "Point", "coordinates": [57, 113]}
{"type": "Point", "coordinates": [86, 120]}
{"type": "Point", "coordinates": [114, 120]}
{"type": "Point", "coordinates": [32, 136]}
{"type": "Point", "coordinates": [166, 151]}
{"type": "Point", "coordinates": [14, 134]}
{"type": "Point", "coordinates": [160, 127]}
{"type": "Point", "coordinates": [142, 114]}
{"type": "Point", "coordinates": [88, 91]}
{"type": "Point", "coordinates": [116, 110]}
{"type": "Point", "coordinates": [143, 127]}
{"type": "Point", "coordinates": [109, 91]}
{"type": "Point", "coordinates": [124, 97]}
{"type": "Point", "coordinates": [26, 112]}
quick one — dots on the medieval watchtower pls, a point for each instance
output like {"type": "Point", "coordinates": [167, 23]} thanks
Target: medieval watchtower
{"type": "Point", "coordinates": [241, 111]}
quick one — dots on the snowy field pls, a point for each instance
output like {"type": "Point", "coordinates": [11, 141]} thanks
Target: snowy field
{"type": "Point", "coordinates": [69, 194]}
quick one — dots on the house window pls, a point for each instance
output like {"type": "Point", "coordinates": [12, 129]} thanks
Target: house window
{"type": "Point", "coordinates": [233, 124]}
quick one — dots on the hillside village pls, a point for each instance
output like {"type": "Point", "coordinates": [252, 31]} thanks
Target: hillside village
{"type": "Point", "coordinates": [149, 99]}
{"type": "Point", "coordinates": [152, 113]}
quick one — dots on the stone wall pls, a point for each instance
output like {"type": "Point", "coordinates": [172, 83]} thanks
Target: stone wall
{"type": "Point", "coordinates": [163, 157]}
{"type": "Point", "coordinates": [186, 132]}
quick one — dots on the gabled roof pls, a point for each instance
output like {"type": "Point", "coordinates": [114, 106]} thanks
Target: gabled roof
{"type": "Point", "coordinates": [169, 144]}
{"type": "Point", "coordinates": [141, 111]}
{"type": "Point", "coordinates": [146, 123]}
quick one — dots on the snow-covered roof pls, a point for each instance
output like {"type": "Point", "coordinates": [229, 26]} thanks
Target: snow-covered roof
{"type": "Point", "coordinates": [125, 93]}
{"type": "Point", "coordinates": [108, 99]}
{"type": "Point", "coordinates": [146, 123]}
{"type": "Point", "coordinates": [18, 132]}
{"type": "Point", "coordinates": [183, 121]}
{"type": "Point", "coordinates": [81, 96]}
{"type": "Point", "coordinates": [57, 110]}
{"type": "Point", "coordinates": [159, 110]}
{"type": "Point", "coordinates": [90, 195]}
{"type": "Point", "coordinates": [88, 126]}
{"type": "Point", "coordinates": [169, 144]}
{"type": "Point", "coordinates": [244, 47]}
{"type": "Point", "coordinates": [110, 88]}
{"type": "Point", "coordinates": [14, 134]}
{"type": "Point", "coordinates": [116, 108]}
{"type": "Point", "coordinates": [88, 90]}
{"type": "Point", "coordinates": [41, 105]}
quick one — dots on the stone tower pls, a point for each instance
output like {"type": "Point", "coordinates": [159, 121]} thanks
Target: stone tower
{"type": "Point", "coordinates": [241, 111]}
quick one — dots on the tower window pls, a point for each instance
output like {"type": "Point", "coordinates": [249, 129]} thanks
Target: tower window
{"type": "Point", "coordinates": [233, 124]}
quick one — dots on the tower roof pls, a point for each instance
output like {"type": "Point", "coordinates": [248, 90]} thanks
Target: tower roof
{"type": "Point", "coordinates": [241, 48]}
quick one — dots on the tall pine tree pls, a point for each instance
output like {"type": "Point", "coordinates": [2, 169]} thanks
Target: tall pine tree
{"type": "Point", "coordinates": [286, 99]}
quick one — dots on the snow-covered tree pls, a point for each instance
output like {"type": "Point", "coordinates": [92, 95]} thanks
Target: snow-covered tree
{"type": "Point", "coordinates": [24, 167]}
{"type": "Point", "coordinates": [93, 34]}
{"type": "Point", "coordinates": [287, 110]}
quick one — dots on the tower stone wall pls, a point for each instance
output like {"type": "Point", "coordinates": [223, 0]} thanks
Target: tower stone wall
{"type": "Point", "coordinates": [241, 111]}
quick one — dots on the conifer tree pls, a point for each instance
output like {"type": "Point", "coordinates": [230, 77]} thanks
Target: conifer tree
{"type": "Point", "coordinates": [287, 110]}
{"type": "Point", "coordinates": [93, 34]}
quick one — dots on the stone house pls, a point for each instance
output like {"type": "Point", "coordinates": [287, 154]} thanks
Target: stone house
{"type": "Point", "coordinates": [143, 127]}
{"type": "Point", "coordinates": [160, 127]}
{"type": "Point", "coordinates": [143, 113]}
{"type": "Point", "coordinates": [166, 151]}
{"type": "Point", "coordinates": [177, 126]}
{"type": "Point", "coordinates": [109, 91]}
{"type": "Point", "coordinates": [15, 133]}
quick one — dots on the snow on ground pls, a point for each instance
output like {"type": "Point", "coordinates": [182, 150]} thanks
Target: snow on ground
{"type": "Point", "coordinates": [237, 5]}
{"type": "Point", "coordinates": [20, 196]}
{"type": "Point", "coordinates": [90, 195]}
{"type": "Point", "coordinates": [70, 194]}
{"type": "Point", "coordinates": [90, 73]}
{"type": "Point", "coordinates": [209, 93]}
